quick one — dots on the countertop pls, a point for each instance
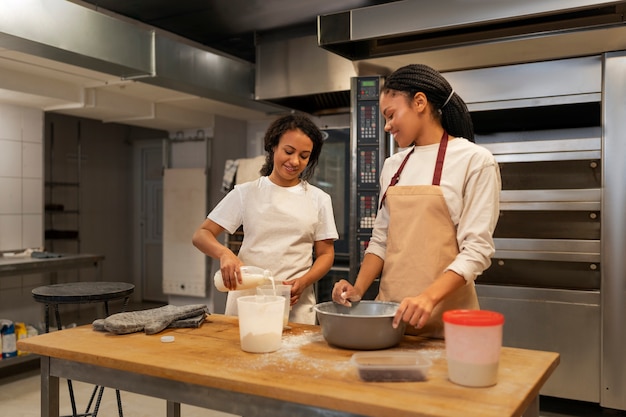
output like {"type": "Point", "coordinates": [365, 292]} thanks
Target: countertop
{"type": "Point", "coordinates": [306, 370]}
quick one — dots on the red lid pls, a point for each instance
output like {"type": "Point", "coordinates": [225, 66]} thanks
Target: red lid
{"type": "Point", "coordinates": [473, 317]}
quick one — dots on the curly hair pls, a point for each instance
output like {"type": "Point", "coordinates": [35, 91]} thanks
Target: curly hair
{"type": "Point", "coordinates": [447, 106]}
{"type": "Point", "coordinates": [285, 124]}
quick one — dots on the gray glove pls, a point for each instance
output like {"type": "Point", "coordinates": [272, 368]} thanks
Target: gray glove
{"type": "Point", "coordinates": [151, 321]}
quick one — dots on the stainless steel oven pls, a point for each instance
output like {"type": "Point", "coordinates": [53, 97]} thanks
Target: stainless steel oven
{"type": "Point", "coordinates": [553, 127]}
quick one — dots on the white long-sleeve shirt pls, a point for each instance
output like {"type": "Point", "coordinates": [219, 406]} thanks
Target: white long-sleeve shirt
{"type": "Point", "coordinates": [471, 186]}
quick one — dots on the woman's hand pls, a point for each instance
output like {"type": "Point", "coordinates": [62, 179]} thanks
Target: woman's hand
{"type": "Point", "coordinates": [414, 310]}
{"type": "Point", "coordinates": [344, 293]}
{"type": "Point", "coordinates": [296, 290]}
{"type": "Point", "coordinates": [229, 267]}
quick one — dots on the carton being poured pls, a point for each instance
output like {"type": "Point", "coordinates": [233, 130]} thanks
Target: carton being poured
{"type": "Point", "coordinates": [251, 276]}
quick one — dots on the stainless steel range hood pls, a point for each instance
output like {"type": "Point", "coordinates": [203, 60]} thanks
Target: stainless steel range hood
{"type": "Point", "coordinates": [61, 31]}
{"type": "Point", "coordinates": [458, 34]}
{"type": "Point", "coordinates": [294, 72]}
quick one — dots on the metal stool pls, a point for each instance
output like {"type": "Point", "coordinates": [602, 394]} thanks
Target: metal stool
{"type": "Point", "coordinates": [82, 293]}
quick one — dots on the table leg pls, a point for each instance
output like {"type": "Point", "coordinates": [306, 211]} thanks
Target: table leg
{"type": "Point", "coordinates": [533, 408]}
{"type": "Point", "coordinates": [49, 390]}
{"type": "Point", "coordinates": [173, 409]}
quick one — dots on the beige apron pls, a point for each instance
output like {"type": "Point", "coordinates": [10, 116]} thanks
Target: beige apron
{"type": "Point", "coordinates": [421, 243]}
{"type": "Point", "coordinates": [279, 218]}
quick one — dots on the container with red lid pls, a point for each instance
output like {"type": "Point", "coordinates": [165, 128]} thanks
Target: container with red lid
{"type": "Point", "coordinates": [473, 343]}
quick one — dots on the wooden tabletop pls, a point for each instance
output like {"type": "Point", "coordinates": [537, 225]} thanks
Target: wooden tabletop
{"type": "Point", "coordinates": [306, 370]}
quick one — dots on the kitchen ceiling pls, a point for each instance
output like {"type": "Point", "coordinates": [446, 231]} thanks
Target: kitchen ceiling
{"type": "Point", "coordinates": [228, 27]}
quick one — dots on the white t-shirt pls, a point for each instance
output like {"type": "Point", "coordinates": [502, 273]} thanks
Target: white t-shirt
{"type": "Point", "coordinates": [280, 226]}
{"type": "Point", "coordinates": [471, 186]}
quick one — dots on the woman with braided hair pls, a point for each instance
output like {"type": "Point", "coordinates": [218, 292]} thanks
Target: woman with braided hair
{"type": "Point", "coordinates": [439, 205]}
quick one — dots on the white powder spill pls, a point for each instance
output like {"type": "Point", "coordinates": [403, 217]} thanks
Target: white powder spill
{"type": "Point", "coordinates": [292, 357]}
{"type": "Point", "coordinates": [301, 353]}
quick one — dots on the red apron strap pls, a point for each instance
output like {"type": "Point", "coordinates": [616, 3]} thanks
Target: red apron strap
{"type": "Point", "coordinates": [440, 157]}
{"type": "Point", "coordinates": [396, 177]}
{"type": "Point", "coordinates": [443, 144]}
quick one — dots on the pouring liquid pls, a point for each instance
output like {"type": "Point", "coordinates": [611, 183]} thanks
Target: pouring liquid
{"type": "Point", "coordinates": [267, 274]}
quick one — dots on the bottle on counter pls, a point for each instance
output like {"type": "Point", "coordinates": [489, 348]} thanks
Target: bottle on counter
{"type": "Point", "coordinates": [251, 276]}
{"type": "Point", "coordinates": [9, 347]}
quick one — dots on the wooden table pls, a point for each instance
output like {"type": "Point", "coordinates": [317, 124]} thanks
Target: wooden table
{"type": "Point", "coordinates": [206, 367]}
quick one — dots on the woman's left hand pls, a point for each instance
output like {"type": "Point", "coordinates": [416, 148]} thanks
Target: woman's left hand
{"type": "Point", "coordinates": [296, 290]}
{"type": "Point", "coordinates": [414, 310]}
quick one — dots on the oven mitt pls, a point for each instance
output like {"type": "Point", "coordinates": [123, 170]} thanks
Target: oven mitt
{"type": "Point", "coordinates": [192, 322]}
{"type": "Point", "coordinates": [151, 321]}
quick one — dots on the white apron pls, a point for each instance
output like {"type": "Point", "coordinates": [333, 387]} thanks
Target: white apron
{"type": "Point", "coordinates": [421, 243]}
{"type": "Point", "coordinates": [279, 232]}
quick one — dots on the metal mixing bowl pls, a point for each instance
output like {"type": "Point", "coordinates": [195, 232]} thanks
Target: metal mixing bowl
{"type": "Point", "coordinates": [365, 326]}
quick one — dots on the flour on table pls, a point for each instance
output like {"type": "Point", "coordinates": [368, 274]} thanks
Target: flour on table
{"type": "Point", "coordinates": [290, 356]}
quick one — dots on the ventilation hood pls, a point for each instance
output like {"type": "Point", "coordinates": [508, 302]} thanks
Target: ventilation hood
{"type": "Point", "coordinates": [66, 33]}
{"type": "Point", "coordinates": [293, 71]}
{"type": "Point", "coordinates": [461, 34]}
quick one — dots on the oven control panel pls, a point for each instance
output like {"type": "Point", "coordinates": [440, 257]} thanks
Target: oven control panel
{"type": "Point", "coordinates": [369, 149]}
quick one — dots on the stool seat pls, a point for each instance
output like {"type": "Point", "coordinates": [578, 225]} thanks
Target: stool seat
{"type": "Point", "coordinates": [82, 292]}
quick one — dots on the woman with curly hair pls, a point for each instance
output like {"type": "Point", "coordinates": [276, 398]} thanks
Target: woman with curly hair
{"type": "Point", "coordinates": [288, 224]}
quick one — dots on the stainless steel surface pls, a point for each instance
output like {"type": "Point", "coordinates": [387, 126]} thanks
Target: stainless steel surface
{"type": "Point", "coordinates": [297, 67]}
{"type": "Point", "coordinates": [545, 125]}
{"type": "Point", "coordinates": [548, 249]}
{"type": "Point", "coordinates": [506, 51]}
{"type": "Point", "coordinates": [408, 17]}
{"type": "Point", "coordinates": [561, 321]}
{"type": "Point", "coordinates": [99, 42]}
{"type": "Point", "coordinates": [490, 32]}
{"type": "Point", "coordinates": [233, 26]}
{"type": "Point", "coordinates": [365, 326]}
{"type": "Point", "coordinates": [614, 234]}
{"type": "Point", "coordinates": [14, 266]}
{"type": "Point", "coordinates": [127, 49]}
{"type": "Point", "coordinates": [559, 81]}
{"type": "Point", "coordinates": [194, 70]}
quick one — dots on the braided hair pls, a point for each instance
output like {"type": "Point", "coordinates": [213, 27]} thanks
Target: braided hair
{"type": "Point", "coordinates": [283, 125]}
{"type": "Point", "coordinates": [448, 106]}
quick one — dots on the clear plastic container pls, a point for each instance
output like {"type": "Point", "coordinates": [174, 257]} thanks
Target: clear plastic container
{"type": "Point", "coordinates": [260, 322]}
{"type": "Point", "coordinates": [390, 366]}
{"type": "Point", "coordinates": [473, 343]}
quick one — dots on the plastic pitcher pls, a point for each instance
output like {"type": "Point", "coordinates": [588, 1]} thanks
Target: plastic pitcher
{"type": "Point", "coordinates": [473, 343]}
{"type": "Point", "coordinates": [278, 289]}
{"type": "Point", "coordinates": [260, 322]}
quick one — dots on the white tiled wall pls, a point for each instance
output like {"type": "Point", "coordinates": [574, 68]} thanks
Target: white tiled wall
{"type": "Point", "coordinates": [21, 177]}
{"type": "Point", "coordinates": [21, 203]}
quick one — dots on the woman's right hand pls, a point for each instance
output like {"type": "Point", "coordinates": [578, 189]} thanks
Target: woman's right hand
{"type": "Point", "coordinates": [229, 267]}
{"type": "Point", "coordinates": [344, 293]}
